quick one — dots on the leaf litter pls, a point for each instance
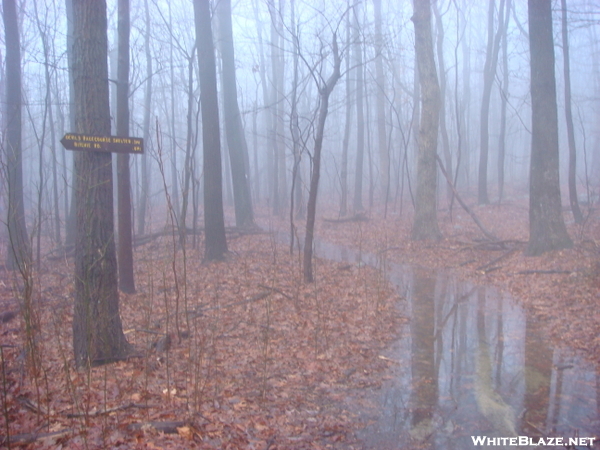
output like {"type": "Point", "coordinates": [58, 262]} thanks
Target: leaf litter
{"type": "Point", "coordinates": [243, 354]}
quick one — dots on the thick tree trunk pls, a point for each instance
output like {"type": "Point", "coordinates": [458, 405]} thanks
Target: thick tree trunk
{"type": "Point", "coordinates": [569, 117]}
{"type": "Point", "coordinates": [97, 331]}
{"type": "Point", "coordinates": [234, 131]}
{"type": "Point", "coordinates": [547, 229]}
{"type": "Point", "coordinates": [425, 224]}
{"type": "Point", "coordinates": [126, 279]}
{"type": "Point", "coordinates": [214, 221]}
{"type": "Point", "coordinates": [19, 251]}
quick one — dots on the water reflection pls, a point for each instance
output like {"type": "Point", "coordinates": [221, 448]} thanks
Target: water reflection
{"type": "Point", "coordinates": [472, 363]}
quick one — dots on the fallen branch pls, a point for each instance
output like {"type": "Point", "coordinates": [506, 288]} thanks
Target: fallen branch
{"type": "Point", "coordinates": [165, 427]}
{"type": "Point", "coordinates": [495, 260]}
{"type": "Point", "coordinates": [107, 411]}
{"type": "Point", "coordinates": [485, 232]}
{"type": "Point", "coordinates": [530, 272]}
{"type": "Point", "coordinates": [29, 438]}
{"type": "Point", "coordinates": [355, 218]}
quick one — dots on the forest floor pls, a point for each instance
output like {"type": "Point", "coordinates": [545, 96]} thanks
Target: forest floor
{"type": "Point", "coordinates": [243, 354]}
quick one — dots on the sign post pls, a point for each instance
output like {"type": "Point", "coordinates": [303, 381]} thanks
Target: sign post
{"type": "Point", "coordinates": [111, 144]}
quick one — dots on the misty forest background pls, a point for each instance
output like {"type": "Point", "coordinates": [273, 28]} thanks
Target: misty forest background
{"type": "Point", "coordinates": [282, 53]}
{"type": "Point", "coordinates": [456, 134]}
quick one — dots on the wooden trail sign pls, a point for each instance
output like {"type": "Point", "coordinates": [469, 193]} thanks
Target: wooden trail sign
{"type": "Point", "coordinates": [114, 144]}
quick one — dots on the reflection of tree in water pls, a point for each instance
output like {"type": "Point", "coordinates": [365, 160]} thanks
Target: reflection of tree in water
{"type": "Point", "coordinates": [538, 372]}
{"type": "Point", "coordinates": [424, 396]}
{"type": "Point", "coordinates": [490, 403]}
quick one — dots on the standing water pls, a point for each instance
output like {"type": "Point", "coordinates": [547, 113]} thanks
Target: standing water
{"type": "Point", "coordinates": [471, 363]}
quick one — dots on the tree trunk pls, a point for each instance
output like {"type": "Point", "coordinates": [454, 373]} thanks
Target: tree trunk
{"type": "Point", "coordinates": [347, 126]}
{"type": "Point", "coordinates": [504, 100]}
{"type": "Point", "coordinates": [214, 221]}
{"type": "Point", "coordinates": [145, 182]}
{"type": "Point", "coordinates": [384, 156]}
{"type": "Point", "coordinates": [569, 116]}
{"type": "Point", "coordinates": [489, 74]}
{"type": "Point", "coordinates": [126, 279]}
{"type": "Point", "coordinates": [97, 331]}
{"type": "Point", "coordinates": [443, 84]}
{"type": "Point", "coordinates": [174, 177]}
{"type": "Point", "coordinates": [425, 224]}
{"type": "Point", "coordinates": [547, 229]}
{"type": "Point", "coordinates": [236, 139]}
{"type": "Point", "coordinates": [360, 119]}
{"type": "Point", "coordinates": [70, 220]}
{"type": "Point", "coordinates": [19, 251]}
{"type": "Point", "coordinates": [311, 208]}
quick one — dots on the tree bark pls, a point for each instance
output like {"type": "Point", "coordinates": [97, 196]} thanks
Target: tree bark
{"type": "Point", "coordinates": [425, 224]}
{"type": "Point", "coordinates": [97, 330]}
{"type": "Point", "coordinates": [234, 131]}
{"type": "Point", "coordinates": [547, 229]}
{"type": "Point", "coordinates": [214, 221]}
{"type": "Point", "coordinates": [126, 278]}
{"type": "Point", "coordinates": [19, 250]}
{"type": "Point", "coordinates": [569, 117]}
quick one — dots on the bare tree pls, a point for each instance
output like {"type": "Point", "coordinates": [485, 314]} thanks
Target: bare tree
{"type": "Point", "coordinates": [569, 117]}
{"type": "Point", "coordinates": [384, 156]}
{"type": "Point", "coordinates": [489, 74]}
{"type": "Point", "coordinates": [126, 278]}
{"type": "Point", "coordinates": [19, 251]}
{"type": "Point", "coordinates": [325, 90]}
{"type": "Point", "coordinates": [425, 225]}
{"type": "Point", "coordinates": [547, 229]}
{"type": "Point", "coordinates": [360, 116]}
{"type": "Point", "coordinates": [504, 102]}
{"type": "Point", "coordinates": [145, 182]}
{"type": "Point", "coordinates": [214, 221]}
{"type": "Point", "coordinates": [234, 131]}
{"type": "Point", "coordinates": [97, 330]}
{"type": "Point", "coordinates": [347, 126]}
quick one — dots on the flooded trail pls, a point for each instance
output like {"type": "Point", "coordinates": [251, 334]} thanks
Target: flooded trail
{"type": "Point", "coordinates": [470, 362]}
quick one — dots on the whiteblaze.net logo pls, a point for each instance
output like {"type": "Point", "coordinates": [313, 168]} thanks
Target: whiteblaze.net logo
{"type": "Point", "coordinates": [533, 442]}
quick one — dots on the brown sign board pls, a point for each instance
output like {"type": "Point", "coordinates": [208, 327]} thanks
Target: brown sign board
{"type": "Point", "coordinates": [116, 144]}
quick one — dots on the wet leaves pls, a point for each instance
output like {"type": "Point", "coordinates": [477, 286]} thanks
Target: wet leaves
{"type": "Point", "coordinates": [236, 354]}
